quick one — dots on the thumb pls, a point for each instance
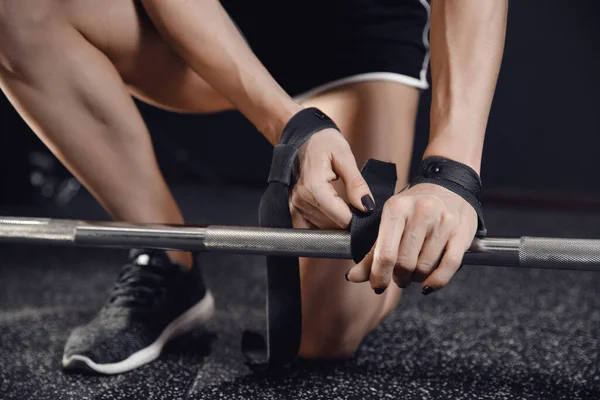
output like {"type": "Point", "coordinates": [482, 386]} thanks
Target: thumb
{"type": "Point", "coordinates": [357, 189]}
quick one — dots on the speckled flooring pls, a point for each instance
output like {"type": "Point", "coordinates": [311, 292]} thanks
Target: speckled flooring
{"type": "Point", "coordinates": [494, 333]}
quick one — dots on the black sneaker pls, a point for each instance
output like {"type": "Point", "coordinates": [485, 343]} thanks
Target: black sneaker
{"type": "Point", "coordinates": [153, 301]}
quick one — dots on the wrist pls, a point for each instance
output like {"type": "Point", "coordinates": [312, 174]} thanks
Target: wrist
{"type": "Point", "coordinates": [464, 149]}
{"type": "Point", "coordinates": [275, 120]}
{"type": "Point", "coordinates": [456, 177]}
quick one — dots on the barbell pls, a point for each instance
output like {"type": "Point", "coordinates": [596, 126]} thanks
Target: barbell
{"type": "Point", "coordinates": [526, 252]}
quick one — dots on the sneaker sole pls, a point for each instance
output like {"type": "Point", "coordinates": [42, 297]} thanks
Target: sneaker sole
{"type": "Point", "coordinates": [189, 320]}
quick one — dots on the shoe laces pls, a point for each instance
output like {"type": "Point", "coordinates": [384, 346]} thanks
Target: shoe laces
{"type": "Point", "coordinates": [140, 283]}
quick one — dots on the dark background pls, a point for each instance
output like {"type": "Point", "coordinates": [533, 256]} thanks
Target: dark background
{"type": "Point", "coordinates": [541, 144]}
{"type": "Point", "coordinates": [507, 333]}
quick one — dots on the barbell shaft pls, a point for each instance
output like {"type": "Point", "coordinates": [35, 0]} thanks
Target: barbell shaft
{"type": "Point", "coordinates": [528, 252]}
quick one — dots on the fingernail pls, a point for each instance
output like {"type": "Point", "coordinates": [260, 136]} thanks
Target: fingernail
{"type": "Point", "coordinates": [427, 290]}
{"type": "Point", "coordinates": [401, 286]}
{"type": "Point", "coordinates": [379, 290]}
{"type": "Point", "coordinates": [368, 203]}
{"type": "Point", "coordinates": [346, 276]}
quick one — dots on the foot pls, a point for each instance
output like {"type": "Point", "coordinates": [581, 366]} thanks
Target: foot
{"type": "Point", "coordinates": [153, 301]}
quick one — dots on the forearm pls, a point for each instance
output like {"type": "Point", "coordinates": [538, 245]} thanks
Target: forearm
{"type": "Point", "coordinates": [467, 42]}
{"type": "Point", "coordinates": [204, 35]}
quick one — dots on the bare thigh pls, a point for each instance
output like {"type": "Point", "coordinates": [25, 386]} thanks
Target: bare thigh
{"type": "Point", "coordinates": [148, 65]}
{"type": "Point", "coordinates": [378, 120]}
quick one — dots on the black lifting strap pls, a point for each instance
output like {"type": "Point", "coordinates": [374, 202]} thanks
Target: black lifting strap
{"type": "Point", "coordinates": [381, 178]}
{"type": "Point", "coordinates": [284, 313]}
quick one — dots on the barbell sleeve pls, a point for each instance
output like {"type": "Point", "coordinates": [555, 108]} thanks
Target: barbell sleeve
{"type": "Point", "coordinates": [528, 252]}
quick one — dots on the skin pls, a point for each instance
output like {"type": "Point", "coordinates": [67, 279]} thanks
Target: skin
{"type": "Point", "coordinates": [426, 229]}
{"type": "Point", "coordinates": [69, 68]}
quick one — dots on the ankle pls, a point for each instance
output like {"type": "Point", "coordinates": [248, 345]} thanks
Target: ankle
{"type": "Point", "coordinates": [181, 257]}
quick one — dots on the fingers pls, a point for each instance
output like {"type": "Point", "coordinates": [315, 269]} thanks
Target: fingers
{"type": "Point", "coordinates": [429, 251]}
{"type": "Point", "coordinates": [423, 236]}
{"type": "Point", "coordinates": [327, 157]}
{"type": "Point", "coordinates": [312, 214]}
{"type": "Point", "coordinates": [386, 250]}
{"type": "Point", "coordinates": [357, 189]}
{"type": "Point", "coordinates": [433, 248]}
{"type": "Point", "coordinates": [450, 263]}
{"type": "Point", "coordinates": [361, 272]}
{"type": "Point", "coordinates": [421, 228]}
{"type": "Point", "coordinates": [333, 206]}
{"type": "Point", "coordinates": [319, 202]}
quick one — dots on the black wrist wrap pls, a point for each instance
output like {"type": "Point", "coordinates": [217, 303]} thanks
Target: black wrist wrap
{"type": "Point", "coordinates": [456, 177]}
{"type": "Point", "coordinates": [297, 131]}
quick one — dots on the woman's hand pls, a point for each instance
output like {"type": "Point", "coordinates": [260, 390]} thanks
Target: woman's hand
{"type": "Point", "coordinates": [324, 158]}
{"type": "Point", "coordinates": [424, 233]}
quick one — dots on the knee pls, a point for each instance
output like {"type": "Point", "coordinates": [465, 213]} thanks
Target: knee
{"type": "Point", "coordinates": [331, 341]}
{"type": "Point", "coordinates": [336, 333]}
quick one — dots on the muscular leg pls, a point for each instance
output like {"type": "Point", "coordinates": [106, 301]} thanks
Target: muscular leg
{"type": "Point", "coordinates": [378, 119]}
{"type": "Point", "coordinates": [63, 66]}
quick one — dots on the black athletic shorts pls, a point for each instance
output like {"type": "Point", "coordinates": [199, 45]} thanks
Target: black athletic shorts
{"type": "Point", "coordinates": [310, 46]}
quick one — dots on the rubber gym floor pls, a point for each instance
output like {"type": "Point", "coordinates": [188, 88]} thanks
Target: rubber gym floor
{"type": "Point", "coordinates": [493, 333]}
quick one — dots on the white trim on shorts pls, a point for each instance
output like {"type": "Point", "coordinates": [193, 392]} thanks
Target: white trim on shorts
{"type": "Point", "coordinates": [423, 73]}
{"type": "Point", "coordinates": [420, 83]}
{"type": "Point", "coordinates": [368, 77]}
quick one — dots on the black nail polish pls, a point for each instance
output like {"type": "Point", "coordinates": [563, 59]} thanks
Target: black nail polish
{"type": "Point", "coordinates": [379, 290]}
{"type": "Point", "coordinates": [346, 276]}
{"type": "Point", "coordinates": [427, 290]}
{"type": "Point", "coordinates": [368, 203]}
{"type": "Point", "coordinates": [401, 286]}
